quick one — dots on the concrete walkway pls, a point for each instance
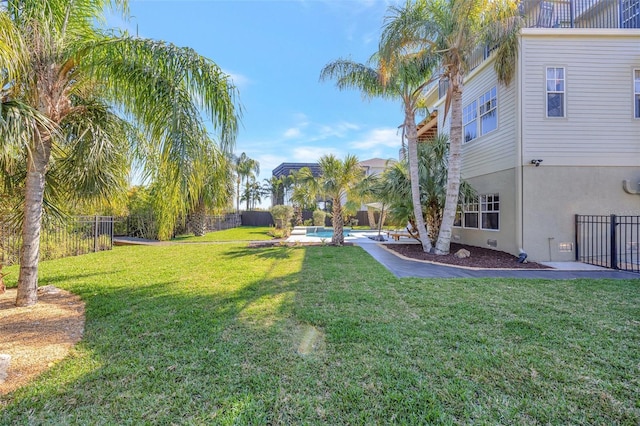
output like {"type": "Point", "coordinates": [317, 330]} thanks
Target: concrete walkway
{"type": "Point", "coordinates": [406, 268]}
{"type": "Point", "coordinates": [134, 241]}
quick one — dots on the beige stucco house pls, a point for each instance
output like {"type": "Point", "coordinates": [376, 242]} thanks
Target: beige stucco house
{"type": "Point", "coordinates": [563, 138]}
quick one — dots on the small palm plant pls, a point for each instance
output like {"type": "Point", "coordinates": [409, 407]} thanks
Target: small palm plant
{"type": "Point", "coordinates": [337, 181]}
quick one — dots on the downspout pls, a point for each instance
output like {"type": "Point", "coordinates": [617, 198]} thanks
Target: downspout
{"type": "Point", "coordinates": [519, 151]}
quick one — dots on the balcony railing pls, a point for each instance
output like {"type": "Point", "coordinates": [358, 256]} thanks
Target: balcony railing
{"type": "Point", "coordinates": [581, 13]}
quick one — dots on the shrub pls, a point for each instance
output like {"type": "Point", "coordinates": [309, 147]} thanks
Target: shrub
{"type": "Point", "coordinates": [282, 215]}
{"type": "Point", "coordinates": [278, 233]}
{"type": "Point", "coordinates": [319, 217]}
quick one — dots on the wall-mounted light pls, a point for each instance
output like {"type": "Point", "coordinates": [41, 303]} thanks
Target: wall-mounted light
{"type": "Point", "coordinates": [627, 186]}
{"type": "Point", "coordinates": [536, 162]}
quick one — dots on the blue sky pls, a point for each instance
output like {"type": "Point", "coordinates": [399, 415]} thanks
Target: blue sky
{"type": "Point", "coordinates": [274, 50]}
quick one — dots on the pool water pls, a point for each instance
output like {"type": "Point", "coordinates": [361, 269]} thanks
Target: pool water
{"type": "Point", "coordinates": [326, 234]}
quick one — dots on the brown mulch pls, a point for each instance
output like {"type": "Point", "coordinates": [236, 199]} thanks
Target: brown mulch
{"type": "Point", "coordinates": [37, 336]}
{"type": "Point", "coordinates": [480, 257]}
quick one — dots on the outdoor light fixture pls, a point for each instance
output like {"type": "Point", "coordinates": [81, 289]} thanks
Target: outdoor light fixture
{"type": "Point", "coordinates": [536, 162]}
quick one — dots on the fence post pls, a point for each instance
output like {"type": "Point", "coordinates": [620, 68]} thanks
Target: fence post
{"type": "Point", "coordinates": [95, 234]}
{"type": "Point", "coordinates": [613, 240]}
{"type": "Point", "coordinates": [577, 232]}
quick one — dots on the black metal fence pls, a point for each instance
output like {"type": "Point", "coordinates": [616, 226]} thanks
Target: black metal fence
{"type": "Point", "coordinates": [610, 241]}
{"type": "Point", "coordinates": [79, 235]}
{"type": "Point", "coordinates": [222, 222]}
{"type": "Point", "coordinates": [146, 226]}
{"type": "Point", "coordinates": [580, 13]}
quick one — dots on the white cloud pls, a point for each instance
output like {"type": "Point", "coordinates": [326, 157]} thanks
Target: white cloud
{"type": "Point", "coordinates": [311, 154]}
{"type": "Point", "coordinates": [383, 137]}
{"type": "Point", "coordinates": [268, 162]}
{"type": "Point", "coordinates": [293, 132]}
{"type": "Point", "coordinates": [239, 80]}
{"type": "Point", "coordinates": [338, 130]}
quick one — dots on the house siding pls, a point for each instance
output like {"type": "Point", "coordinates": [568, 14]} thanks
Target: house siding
{"type": "Point", "coordinates": [599, 99]}
{"type": "Point", "coordinates": [494, 151]}
{"type": "Point", "coordinates": [586, 154]}
{"type": "Point", "coordinates": [501, 183]}
{"type": "Point", "coordinates": [556, 194]}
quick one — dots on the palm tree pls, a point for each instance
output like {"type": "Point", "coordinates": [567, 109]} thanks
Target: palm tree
{"type": "Point", "coordinates": [252, 193]}
{"type": "Point", "coordinates": [302, 192]}
{"type": "Point", "coordinates": [62, 83]}
{"type": "Point", "coordinates": [246, 168]}
{"type": "Point", "coordinates": [451, 30]}
{"type": "Point", "coordinates": [433, 157]}
{"type": "Point", "coordinates": [403, 78]}
{"type": "Point", "coordinates": [274, 186]}
{"type": "Point", "coordinates": [338, 181]}
{"type": "Point", "coordinates": [216, 192]}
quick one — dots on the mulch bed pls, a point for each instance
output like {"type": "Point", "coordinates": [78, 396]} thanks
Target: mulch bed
{"type": "Point", "coordinates": [480, 257]}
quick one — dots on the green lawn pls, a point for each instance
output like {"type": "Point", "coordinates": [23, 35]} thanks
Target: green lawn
{"type": "Point", "coordinates": [243, 233]}
{"type": "Point", "coordinates": [223, 334]}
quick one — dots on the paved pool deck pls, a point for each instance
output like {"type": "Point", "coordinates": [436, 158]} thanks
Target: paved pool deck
{"type": "Point", "coordinates": [410, 268]}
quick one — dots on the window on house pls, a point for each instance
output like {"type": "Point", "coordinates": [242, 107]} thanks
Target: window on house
{"type": "Point", "coordinates": [470, 214]}
{"type": "Point", "coordinates": [470, 121]}
{"type": "Point", "coordinates": [490, 211]}
{"type": "Point", "coordinates": [555, 92]}
{"type": "Point", "coordinates": [630, 11]}
{"type": "Point", "coordinates": [636, 91]}
{"type": "Point", "coordinates": [488, 111]}
{"type": "Point", "coordinates": [457, 221]}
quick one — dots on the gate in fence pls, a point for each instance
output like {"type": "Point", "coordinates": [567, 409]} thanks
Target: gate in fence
{"type": "Point", "coordinates": [79, 235]}
{"type": "Point", "coordinates": [610, 241]}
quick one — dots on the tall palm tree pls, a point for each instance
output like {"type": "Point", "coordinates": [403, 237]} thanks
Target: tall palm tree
{"type": "Point", "coordinates": [404, 78]}
{"type": "Point", "coordinates": [337, 181]}
{"type": "Point", "coordinates": [63, 81]}
{"type": "Point", "coordinates": [433, 158]}
{"type": "Point", "coordinates": [451, 30]}
{"type": "Point", "coordinates": [246, 168]}
{"type": "Point", "coordinates": [216, 192]}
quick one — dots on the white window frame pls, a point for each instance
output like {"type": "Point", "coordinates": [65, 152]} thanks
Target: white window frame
{"type": "Point", "coordinates": [471, 207]}
{"type": "Point", "coordinates": [555, 90]}
{"type": "Point", "coordinates": [489, 204]}
{"type": "Point", "coordinates": [636, 93]}
{"type": "Point", "coordinates": [488, 103]}
{"type": "Point", "coordinates": [469, 117]}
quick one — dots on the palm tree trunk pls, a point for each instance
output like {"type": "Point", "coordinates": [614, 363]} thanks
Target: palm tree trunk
{"type": "Point", "coordinates": [247, 193]}
{"type": "Point", "coordinates": [372, 218]}
{"type": "Point", "coordinates": [455, 165]}
{"type": "Point", "coordinates": [338, 223]}
{"type": "Point", "coordinates": [199, 220]}
{"type": "Point", "coordinates": [37, 160]}
{"type": "Point", "coordinates": [238, 195]}
{"type": "Point", "coordinates": [412, 144]}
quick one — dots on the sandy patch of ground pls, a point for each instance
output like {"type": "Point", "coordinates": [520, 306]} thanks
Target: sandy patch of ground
{"type": "Point", "coordinates": [37, 336]}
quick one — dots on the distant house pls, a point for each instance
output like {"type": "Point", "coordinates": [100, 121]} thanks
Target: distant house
{"type": "Point", "coordinates": [285, 169]}
{"type": "Point", "coordinates": [562, 139]}
{"type": "Point", "coordinates": [375, 166]}
{"type": "Point", "coordinates": [372, 166]}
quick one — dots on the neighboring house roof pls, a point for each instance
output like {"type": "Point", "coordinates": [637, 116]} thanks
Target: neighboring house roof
{"type": "Point", "coordinates": [284, 169]}
{"type": "Point", "coordinates": [376, 163]}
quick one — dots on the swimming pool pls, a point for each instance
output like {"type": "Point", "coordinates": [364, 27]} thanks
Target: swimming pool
{"type": "Point", "coordinates": [326, 234]}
